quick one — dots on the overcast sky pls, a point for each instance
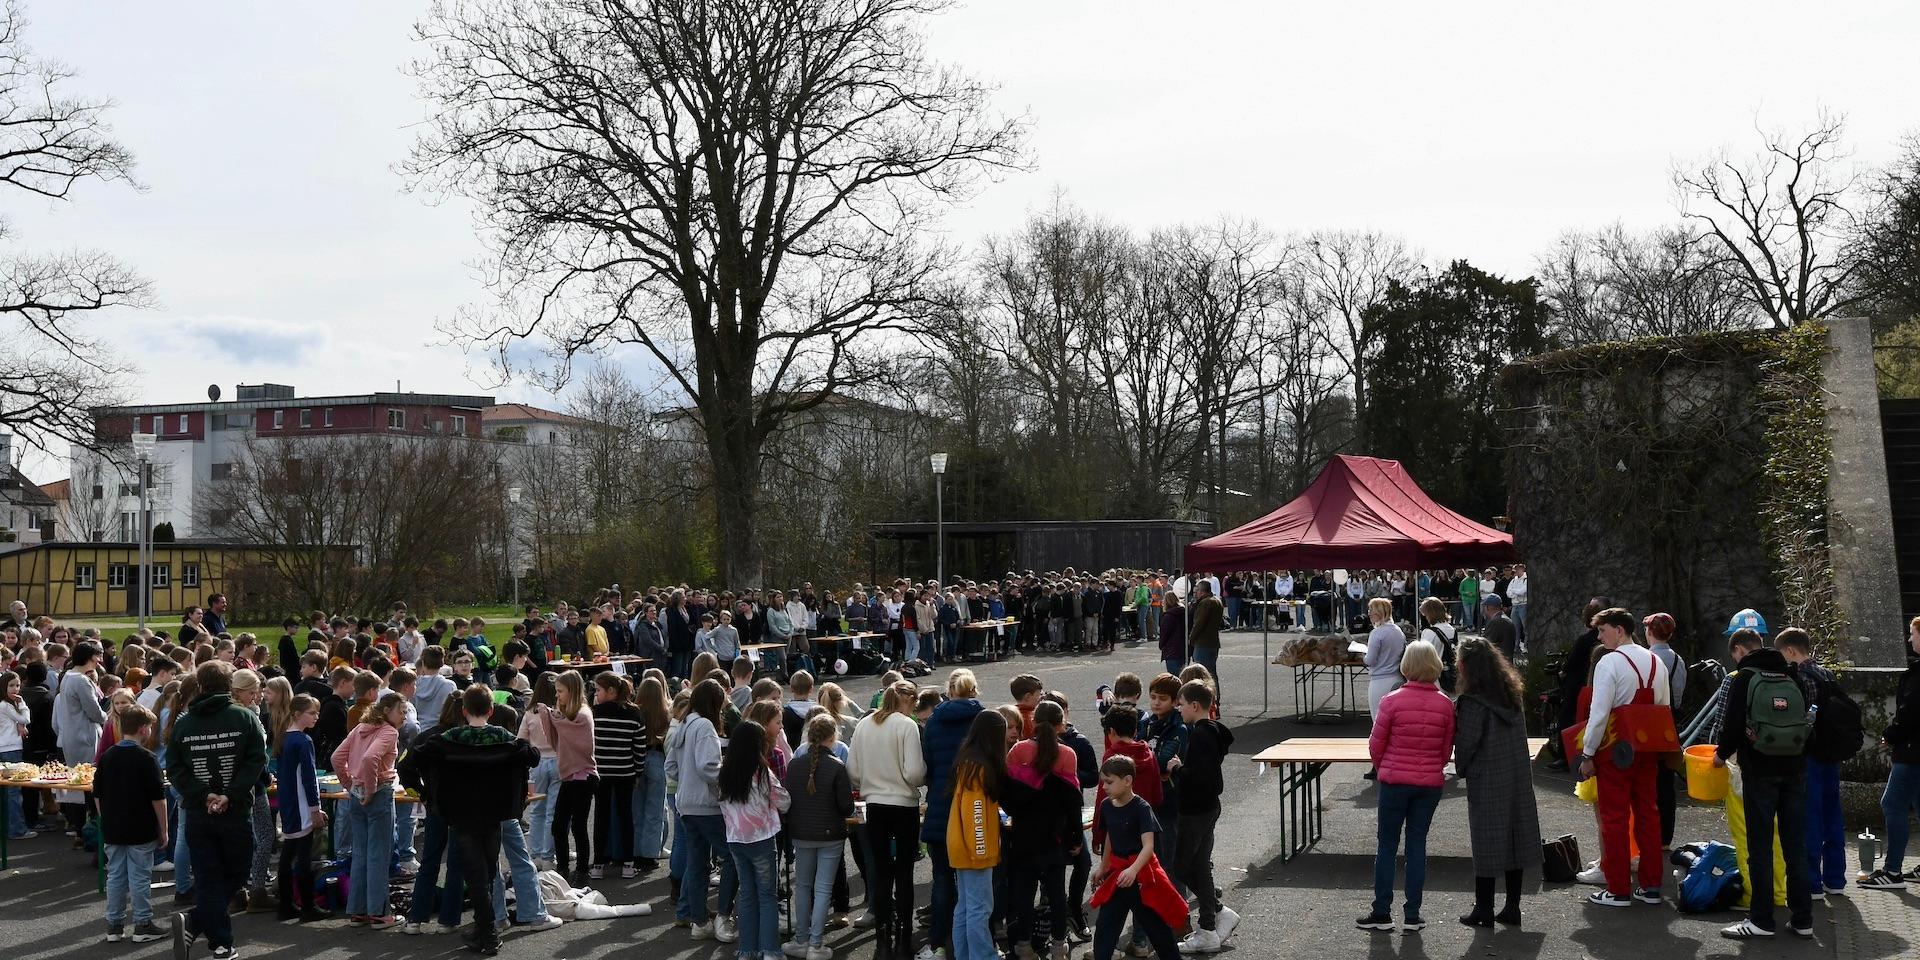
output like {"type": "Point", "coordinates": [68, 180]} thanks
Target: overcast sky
{"type": "Point", "coordinates": [283, 247]}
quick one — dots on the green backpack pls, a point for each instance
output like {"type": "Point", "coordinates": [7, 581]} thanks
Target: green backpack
{"type": "Point", "coordinates": [1777, 721]}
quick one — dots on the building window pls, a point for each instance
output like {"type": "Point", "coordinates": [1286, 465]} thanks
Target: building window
{"type": "Point", "coordinates": [306, 419]}
{"type": "Point", "coordinates": [162, 575]}
{"type": "Point", "coordinates": [116, 576]}
{"type": "Point", "coordinates": [459, 425]}
{"type": "Point", "coordinates": [183, 423]}
{"type": "Point", "coordinates": [83, 576]}
{"type": "Point", "coordinates": [279, 419]}
{"type": "Point", "coordinates": [99, 491]}
{"type": "Point", "coordinates": [326, 417]}
{"type": "Point", "coordinates": [221, 516]}
{"type": "Point", "coordinates": [128, 490]}
{"type": "Point", "coordinates": [129, 526]}
{"type": "Point", "coordinates": [396, 419]}
{"type": "Point", "coordinates": [189, 574]}
{"type": "Point", "coordinates": [222, 471]}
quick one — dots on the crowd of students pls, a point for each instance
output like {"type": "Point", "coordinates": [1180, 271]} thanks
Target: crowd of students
{"type": "Point", "coordinates": [703, 771]}
{"type": "Point", "coordinates": [1779, 717]}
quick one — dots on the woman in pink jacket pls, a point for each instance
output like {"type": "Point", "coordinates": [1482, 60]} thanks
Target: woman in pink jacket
{"type": "Point", "coordinates": [1412, 739]}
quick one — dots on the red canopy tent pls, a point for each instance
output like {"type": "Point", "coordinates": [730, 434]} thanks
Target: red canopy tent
{"type": "Point", "coordinates": [1360, 512]}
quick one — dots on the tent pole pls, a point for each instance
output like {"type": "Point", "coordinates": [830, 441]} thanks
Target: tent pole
{"type": "Point", "coordinates": [1266, 659]}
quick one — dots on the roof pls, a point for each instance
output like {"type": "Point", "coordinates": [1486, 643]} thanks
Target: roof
{"type": "Point", "coordinates": [515, 412]}
{"type": "Point", "coordinates": [354, 400]}
{"type": "Point", "coordinates": [185, 544]}
{"type": "Point", "coordinates": [1359, 512]}
{"type": "Point", "coordinates": [56, 490]}
{"type": "Point", "coordinates": [28, 493]}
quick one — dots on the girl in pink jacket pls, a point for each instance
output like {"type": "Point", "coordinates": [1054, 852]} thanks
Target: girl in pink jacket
{"type": "Point", "coordinates": [1412, 739]}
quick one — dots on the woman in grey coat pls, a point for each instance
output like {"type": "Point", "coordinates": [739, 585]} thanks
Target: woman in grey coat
{"type": "Point", "coordinates": [1490, 751]}
{"type": "Point", "coordinates": [77, 719]}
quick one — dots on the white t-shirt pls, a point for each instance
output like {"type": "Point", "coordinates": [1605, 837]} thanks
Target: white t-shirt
{"type": "Point", "coordinates": [1517, 591]}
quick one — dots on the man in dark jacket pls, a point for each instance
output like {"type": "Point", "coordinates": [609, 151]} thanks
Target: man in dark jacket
{"type": "Point", "coordinates": [215, 756]}
{"type": "Point", "coordinates": [474, 777]}
{"type": "Point", "coordinates": [940, 743]}
{"type": "Point", "coordinates": [1495, 625]}
{"type": "Point", "coordinates": [1203, 632]}
{"type": "Point", "coordinates": [41, 742]}
{"type": "Point", "coordinates": [1773, 785]}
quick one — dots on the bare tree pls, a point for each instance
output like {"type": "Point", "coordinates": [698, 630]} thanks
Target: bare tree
{"type": "Point", "coordinates": [89, 512]}
{"type": "Point", "coordinates": [411, 531]}
{"type": "Point", "coordinates": [736, 186]}
{"type": "Point", "coordinates": [50, 142]}
{"type": "Point", "coordinates": [1616, 285]}
{"type": "Point", "coordinates": [1312, 416]}
{"type": "Point", "coordinates": [1226, 280]}
{"type": "Point", "coordinates": [1341, 274]}
{"type": "Point", "coordinates": [1779, 221]}
{"type": "Point", "coordinates": [1140, 359]}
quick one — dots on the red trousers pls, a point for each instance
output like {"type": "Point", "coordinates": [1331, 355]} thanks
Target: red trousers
{"type": "Point", "coordinates": [1629, 796]}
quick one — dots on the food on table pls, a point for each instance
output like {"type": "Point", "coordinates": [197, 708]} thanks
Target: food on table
{"type": "Point", "coordinates": [54, 771]}
{"type": "Point", "coordinates": [20, 772]}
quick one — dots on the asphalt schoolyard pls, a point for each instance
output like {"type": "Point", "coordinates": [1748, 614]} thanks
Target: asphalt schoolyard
{"type": "Point", "coordinates": [1303, 908]}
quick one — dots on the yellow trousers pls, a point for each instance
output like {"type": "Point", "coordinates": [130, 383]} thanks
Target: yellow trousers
{"type": "Point", "coordinates": [1737, 826]}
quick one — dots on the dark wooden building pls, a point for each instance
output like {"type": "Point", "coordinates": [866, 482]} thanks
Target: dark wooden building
{"type": "Point", "coordinates": [981, 550]}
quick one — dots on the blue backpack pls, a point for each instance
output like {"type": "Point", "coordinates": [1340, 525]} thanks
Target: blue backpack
{"type": "Point", "coordinates": [1711, 881]}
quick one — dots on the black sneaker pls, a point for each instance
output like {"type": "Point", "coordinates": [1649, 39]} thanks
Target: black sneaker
{"type": "Point", "coordinates": [225, 953]}
{"type": "Point", "coordinates": [1645, 895]}
{"type": "Point", "coordinates": [1884, 880]}
{"type": "Point", "coordinates": [145, 932]}
{"type": "Point", "coordinates": [1602, 898]}
{"type": "Point", "coordinates": [1414, 925]}
{"type": "Point", "coordinates": [1375, 921]}
{"type": "Point", "coordinates": [184, 935]}
{"type": "Point", "coordinates": [1801, 930]}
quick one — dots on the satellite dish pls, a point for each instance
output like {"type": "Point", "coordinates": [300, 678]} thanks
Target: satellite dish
{"type": "Point", "coordinates": [213, 392]}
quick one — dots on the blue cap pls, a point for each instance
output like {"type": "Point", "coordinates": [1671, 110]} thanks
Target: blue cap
{"type": "Point", "coordinates": [1747, 619]}
{"type": "Point", "coordinates": [1493, 600]}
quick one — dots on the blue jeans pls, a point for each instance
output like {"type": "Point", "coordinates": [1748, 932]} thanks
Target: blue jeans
{"type": "Point", "coordinates": [546, 783]}
{"type": "Point", "coordinates": [402, 834]}
{"type": "Point", "coordinates": [1777, 803]}
{"type": "Point", "coordinates": [1897, 801]}
{"type": "Point", "coordinates": [427, 888]}
{"type": "Point", "coordinates": [943, 895]}
{"type": "Point", "coordinates": [1410, 807]}
{"type": "Point", "coordinates": [370, 828]}
{"type": "Point", "coordinates": [1520, 623]}
{"type": "Point", "coordinates": [527, 906]}
{"type": "Point", "coordinates": [1175, 665]}
{"type": "Point", "coordinates": [650, 808]}
{"type": "Point", "coordinates": [913, 643]}
{"type": "Point", "coordinates": [1826, 827]}
{"type": "Point", "coordinates": [706, 836]}
{"type": "Point", "coordinates": [759, 897]}
{"type": "Point", "coordinates": [182, 857]}
{"type": "Point", "coordinates": [17, 825]}
{"type": "Point", "coordinates": [129, 877]}
{"type": "Point", "coordinates": [972, 935]}
{"type": "Point", "coordinates": [1233, 612]}
{"type": "Point", "coordinates": [813, 871]}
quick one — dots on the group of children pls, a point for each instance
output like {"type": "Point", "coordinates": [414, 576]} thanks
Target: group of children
{"type": "Point", "coordinates": [718, 768]}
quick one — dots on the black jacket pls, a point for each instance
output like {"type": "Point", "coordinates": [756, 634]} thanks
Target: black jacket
{"type": "Point", "coordinates": [822, 814]}
{"type": "Point", "coordinates": [1733, 732]}
{"type": "Point", "coordinates": [1903, 733]}
{"type": "Point", "coordinates": [330, 731]}
{"type": "Point", "coordinates": [1087, 761]}
{"type": "Point", "coordinates": [470, 776]}
{"type": "Point", "coordinates": [41, 742]}
{"type": "Point", "coordinates": [1199, 775]}
{"type": "Point", "coordinates": [1046, 819]}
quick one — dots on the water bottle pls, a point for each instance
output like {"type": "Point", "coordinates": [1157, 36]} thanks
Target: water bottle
{"type": "Point", "coordinates": [1869, 846]}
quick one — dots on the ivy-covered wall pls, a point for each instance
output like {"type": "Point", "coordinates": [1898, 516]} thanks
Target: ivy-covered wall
{"type": "Point", "coordinates": [1678, 474]}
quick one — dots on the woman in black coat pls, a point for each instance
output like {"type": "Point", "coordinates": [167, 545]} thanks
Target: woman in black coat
{"type": "Point", "coordinates": [1490, 751]}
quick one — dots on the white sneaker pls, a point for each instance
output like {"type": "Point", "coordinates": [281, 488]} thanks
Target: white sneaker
{"type": "Point", "coordinates": [821, 952]}
{"type": "Point", "coordinates": [701, 931]}
{"type": "Point", "coordinates": [547, 922]}
{"type": "Point", "coordinates": [726, 930]}
{"type": "Point", "coordinates": [1592, 875]}
{"type": "Point", "coordinates": [926, 953]}
{"type": "Point", "coordinates": [163, 867]}
{"type": "Point", "coordinates": [796, 949]}
{"type": "Point", "coordinates": [1201, 941]}
{"type": "Point", "coordinates": [411, 866]}
{"type": "Point", "coordinates": [413, 929]}
{"type": "Point", "coordinates": [1224, 922]}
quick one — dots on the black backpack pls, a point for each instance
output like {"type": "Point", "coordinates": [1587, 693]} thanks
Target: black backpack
{"type": "Point", "coordinates": [1838, 728]}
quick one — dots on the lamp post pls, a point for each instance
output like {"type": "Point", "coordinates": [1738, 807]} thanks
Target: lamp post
{"type": "Point", "coordinates": [939, 522]}
{"type": "Point", "coordinates": [513, 500]}
{"type": "Point", "coordinates": [143, 444]}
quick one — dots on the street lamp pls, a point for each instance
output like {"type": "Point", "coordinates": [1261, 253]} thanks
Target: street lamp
{"type": "Point", "coordinates": [143, 444]}
{"type": "Point", "coordinates": [939, 523]}
{"type": "Point", "coordinates": [513, 498]}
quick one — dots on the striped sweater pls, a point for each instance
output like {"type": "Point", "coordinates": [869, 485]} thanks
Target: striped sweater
{"type": "Point", "coordinates": [619, 749]}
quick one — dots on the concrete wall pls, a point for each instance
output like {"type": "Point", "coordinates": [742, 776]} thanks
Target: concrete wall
{"type": "Point", "coordinates": [1866, 577]}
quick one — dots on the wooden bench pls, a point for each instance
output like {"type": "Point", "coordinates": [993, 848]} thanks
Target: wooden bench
{"type": "Point", "coordinates": [1301, 761]}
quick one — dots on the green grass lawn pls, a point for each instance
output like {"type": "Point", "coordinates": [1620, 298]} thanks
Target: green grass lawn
{"type": "Point", "coordinates": [493, 613]}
